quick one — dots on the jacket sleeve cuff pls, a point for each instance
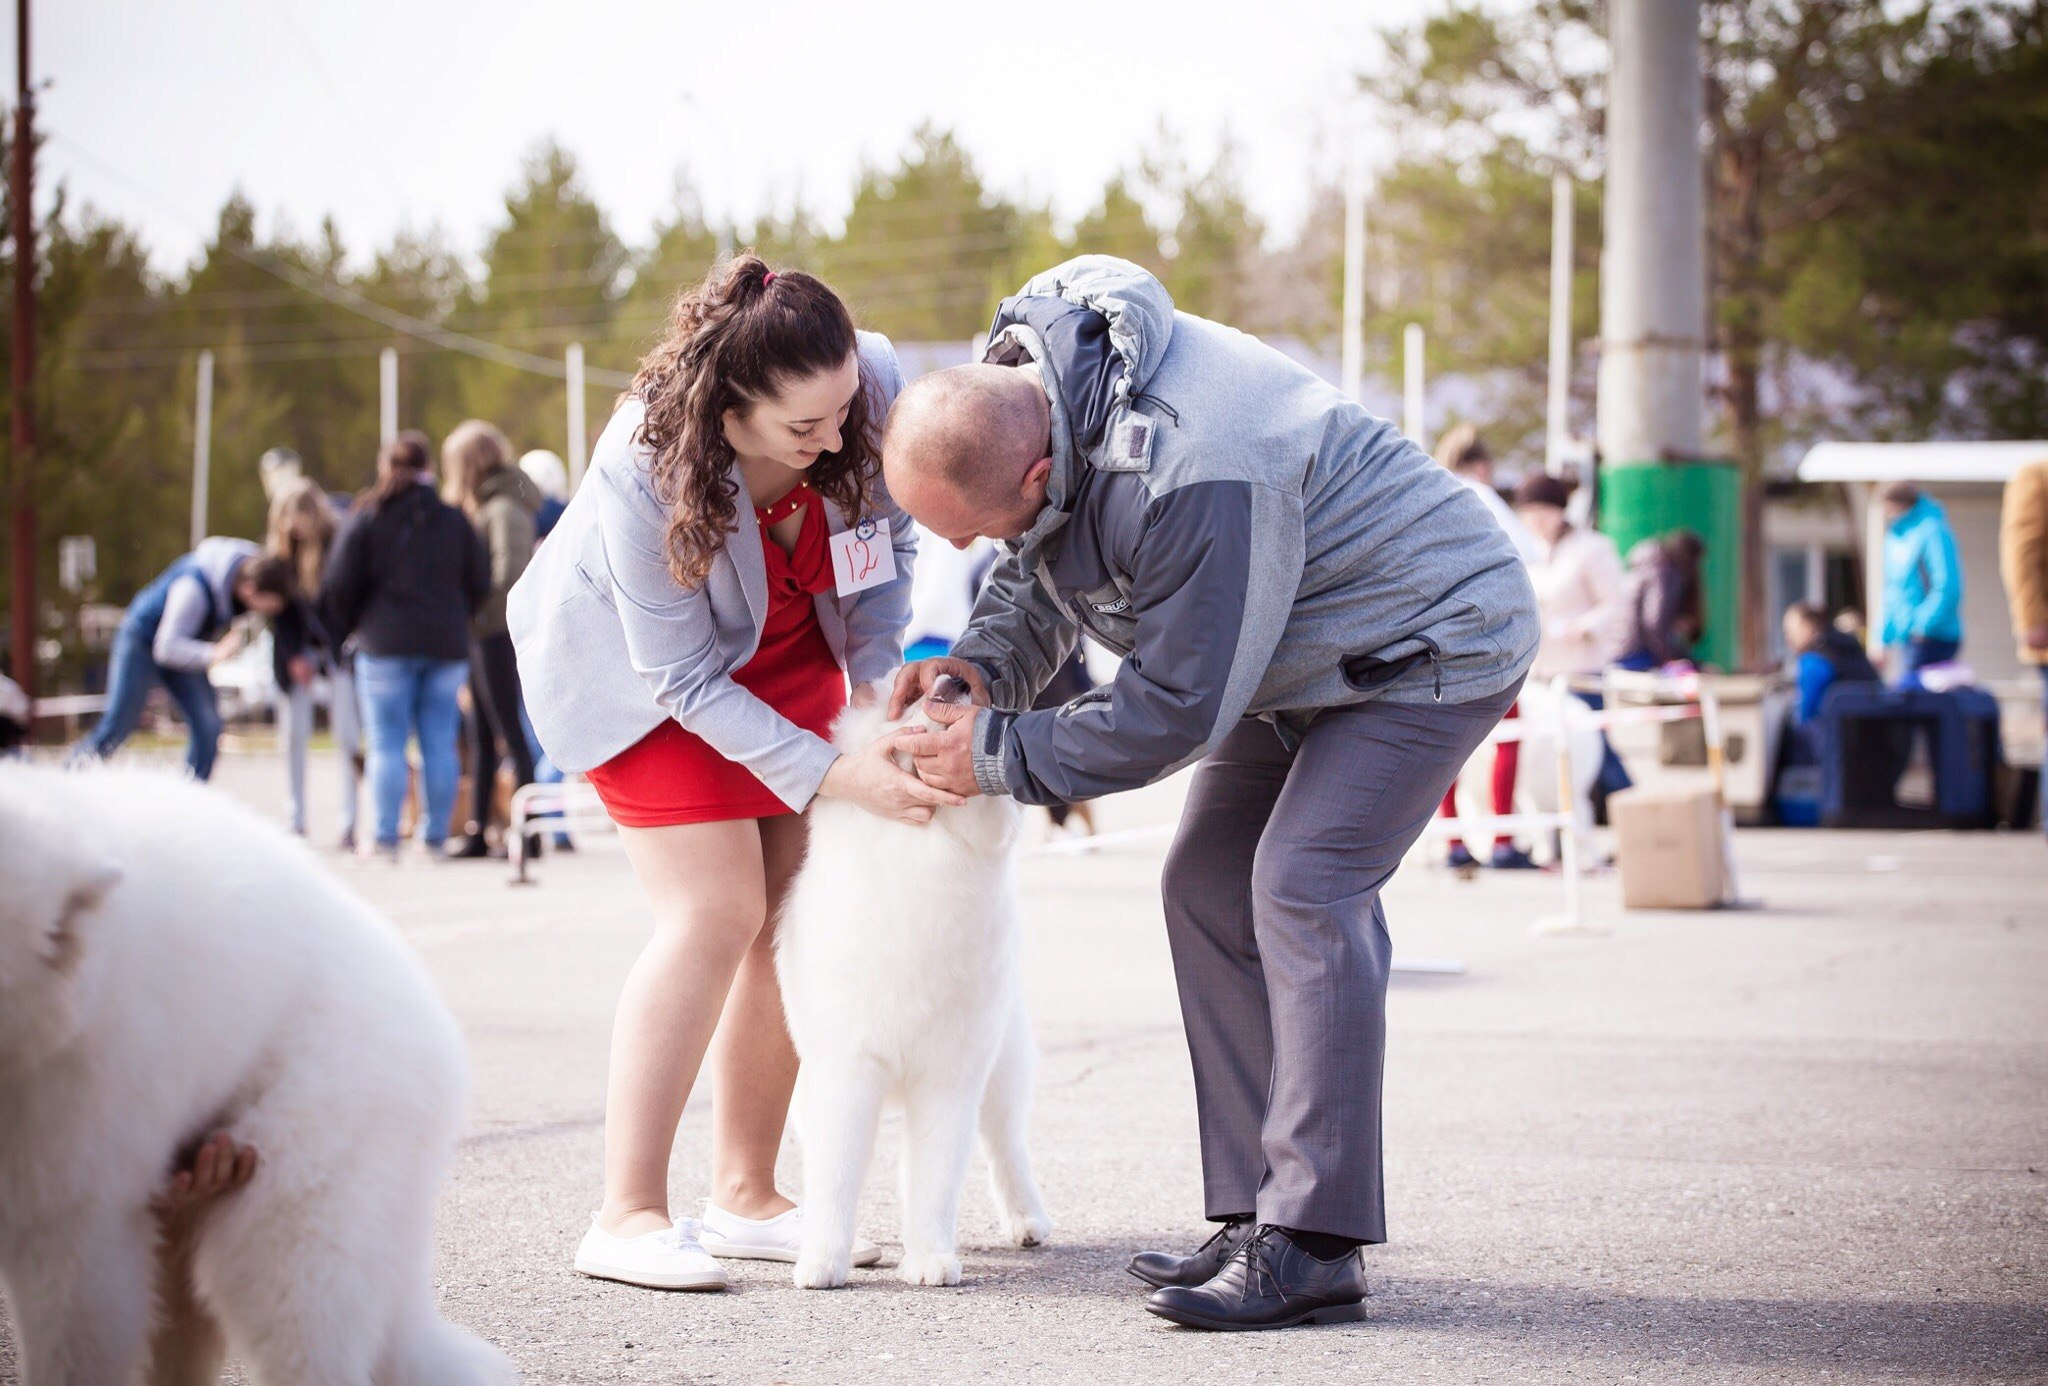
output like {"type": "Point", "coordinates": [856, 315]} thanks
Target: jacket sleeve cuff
{"type": "Point", "coordinates": [990, 728]}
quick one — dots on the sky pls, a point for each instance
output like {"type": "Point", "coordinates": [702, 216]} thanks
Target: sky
{"type": "Point", "coordinates": [389, 115]}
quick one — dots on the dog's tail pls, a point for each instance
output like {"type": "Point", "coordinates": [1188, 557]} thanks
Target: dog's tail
{"type": "Point", "coordinates": [427, 1350]}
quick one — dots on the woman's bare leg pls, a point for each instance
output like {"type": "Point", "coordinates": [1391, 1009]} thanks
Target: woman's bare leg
{"type": "Point", "coordinates": [753, 1063]}
{"type": "Point", "coordinates": [709, 891]}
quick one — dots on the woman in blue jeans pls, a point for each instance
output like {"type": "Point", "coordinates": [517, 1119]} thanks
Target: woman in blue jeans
{"type": "Point", "coordinates": [407, 575]}
{"type": "Point", "coordinates": [175, 630]}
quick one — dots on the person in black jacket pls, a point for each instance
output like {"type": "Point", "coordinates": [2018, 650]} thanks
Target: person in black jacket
{"type": "Point", "coordinates": [407, 575]}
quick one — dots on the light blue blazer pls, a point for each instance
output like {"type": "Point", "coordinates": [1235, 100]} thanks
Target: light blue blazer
{"type": "Point", "coordinates": [609, 644]}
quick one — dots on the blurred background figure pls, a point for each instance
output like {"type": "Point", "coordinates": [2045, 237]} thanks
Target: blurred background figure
{"type": "Point", "coordinates": [2023, 561]}
{"type": "Point", "coordinates": [478, 479]}
{"type": "Point", "coordinates": [1464, 454]}
{"type": "Point", "coordinates": [1666, 605]}
{"type": "Point", "coordinates": [16, 714]}
{"type": "Point", "coordinates": [547, 472]}
{"type": "Point", "coordinates": [1822, 656]}
{"type": "Point", "coordinates": [279, 469]}
{"type": "Point", "coordinates": [1582, 591]}
{"type": "Point", "coordinates": [1923, 583]}
{"type": "Point", "coordinates": [407, 575]}
{"type": "Point", "coordinates": [176, 629]}
{"type": "Point", "coordinates": [303, 648]}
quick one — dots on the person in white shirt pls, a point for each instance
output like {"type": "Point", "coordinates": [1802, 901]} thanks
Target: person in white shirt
{"type": "Point", "coordinates": [1582, 592]}
{"type": "Point", "coordinates": [1461, 452]}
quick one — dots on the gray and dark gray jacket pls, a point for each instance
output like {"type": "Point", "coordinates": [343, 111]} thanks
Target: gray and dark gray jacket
{"type": "Point", "coordinates": [1247, 536]}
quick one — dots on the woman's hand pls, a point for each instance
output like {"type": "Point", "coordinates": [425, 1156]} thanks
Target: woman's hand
{"type": "Point", "coordinates": [871, 778]}
{"type": "Point", "coordinates": [914, 681]}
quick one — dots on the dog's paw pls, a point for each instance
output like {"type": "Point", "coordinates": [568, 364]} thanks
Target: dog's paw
{"type": "Point", "coordinates": [929, 1268]}
{"type": "Point", "coordinates": [1029, 1228]}
{"type": "Point", "coordinates": [819, 1272]}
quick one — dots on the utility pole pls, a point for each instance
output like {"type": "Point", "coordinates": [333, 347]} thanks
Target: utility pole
{"type": "Point", "coordinates": [1653, 309]}
{"type": "Point", "coordinates": [1354, 283]}
{"type": "Point", "coordinates": [579, 444]}
{"type": "Point", "coordinates": [1560, 424]}
{"type": "Point", "coordinates": [387, 394]}
{"type": "Point", "coordinates": [1414, 419]}
{"type": "Point", "coordinates": [202, 447]}
{"type": "Point", "coordinates": [24, 361]}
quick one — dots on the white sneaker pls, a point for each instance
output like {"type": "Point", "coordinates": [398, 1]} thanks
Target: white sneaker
{"type": "Point", "coordinates": [670, 1259]}
{"type": "Point", "coordinates": [780, 1238]}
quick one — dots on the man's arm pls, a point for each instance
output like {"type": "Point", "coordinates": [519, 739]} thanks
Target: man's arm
{"type": "Point", "coordinates": [1017, 635]}
{"type": "Point", "coordinates": [1216, 570]}
{"type": "Point", "coordinates": [178, 643]}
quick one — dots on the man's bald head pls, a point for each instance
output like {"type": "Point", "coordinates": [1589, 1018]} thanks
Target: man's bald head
{"type": "Point", "coordinates": [965, 450]}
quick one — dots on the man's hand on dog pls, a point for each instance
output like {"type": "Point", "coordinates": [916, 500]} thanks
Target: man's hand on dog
{"type": "Point", "coordinates": [915, 680]}
{"type": "Point", "coordinates": [944, 759]}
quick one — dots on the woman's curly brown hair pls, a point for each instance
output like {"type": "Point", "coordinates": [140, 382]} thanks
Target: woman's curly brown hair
{"type": "Point", "coordinates": [733, 340]}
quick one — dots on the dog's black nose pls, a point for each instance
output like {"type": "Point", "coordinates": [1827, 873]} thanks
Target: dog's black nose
{"type": "Point", "coordinates": [951, 690]}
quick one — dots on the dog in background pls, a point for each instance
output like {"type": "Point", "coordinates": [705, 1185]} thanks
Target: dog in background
{"type": "Point", "coordinates": [172, 965]}
{"type": "Point", "coordinates": [898, 956]}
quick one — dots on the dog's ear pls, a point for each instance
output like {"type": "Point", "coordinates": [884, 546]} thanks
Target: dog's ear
{"type": "Point", "coordinates": [64, 940]}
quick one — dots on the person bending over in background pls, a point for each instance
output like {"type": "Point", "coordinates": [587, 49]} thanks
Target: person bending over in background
{"type": "Point", "coordinates": [176, 629]}
{"type": "Point", "coordinates": [1666, 608]}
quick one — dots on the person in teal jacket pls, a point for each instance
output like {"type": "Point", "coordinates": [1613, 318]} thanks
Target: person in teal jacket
{"type": "Point", "coordinates": [1923, 582]}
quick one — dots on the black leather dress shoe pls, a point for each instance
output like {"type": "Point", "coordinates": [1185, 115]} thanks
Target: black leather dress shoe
{"type": "Point", "coordinates": [1269, 1283]}
{"type": "Point", "coordinates": [1162, 1268]}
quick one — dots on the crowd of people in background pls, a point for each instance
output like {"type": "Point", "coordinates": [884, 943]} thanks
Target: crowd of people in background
{"type": "Point", "coordinates": [391, 602]}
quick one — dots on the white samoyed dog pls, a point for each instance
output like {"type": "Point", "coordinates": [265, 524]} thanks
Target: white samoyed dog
{"type": "Point", "coordinates": [171, 965]}
{"type": "Point", "coordinates": [898, 955]}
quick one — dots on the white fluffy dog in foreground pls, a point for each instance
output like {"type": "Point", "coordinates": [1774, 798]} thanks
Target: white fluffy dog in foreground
{"type": "Point", "coordinates": [897, 952]}
{"type": "Point", "coordinates": [171, 965]}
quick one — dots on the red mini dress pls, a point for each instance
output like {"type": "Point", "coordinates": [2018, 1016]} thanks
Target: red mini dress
{"type": "Point", "coordinates": [671, 776]}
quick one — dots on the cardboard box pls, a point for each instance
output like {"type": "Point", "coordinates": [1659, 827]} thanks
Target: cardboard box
{"type": "Point", "coordinates": [1668, 842]}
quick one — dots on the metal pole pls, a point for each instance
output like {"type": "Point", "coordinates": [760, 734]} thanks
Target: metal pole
{"type": "Point", "coordinates": [1559, 428]}
{"type": "Point", "coordinates": [1653, 281]}
{"type": "Point", "coordinates": [1412, 421]}
{"type": "Point", "coordinates": [1354, 283]}
{"type": "Point", "coordinates": [387, 394]}
{"type": "Point", "coordinates": [579, 443]}
{"type": "Point", "coordinates": [24, 362]}
{"type": "Point", "coordinates": [202, 446]}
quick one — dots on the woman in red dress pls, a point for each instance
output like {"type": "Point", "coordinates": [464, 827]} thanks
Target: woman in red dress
{"type": "Point", "coordinates": [685, 641]}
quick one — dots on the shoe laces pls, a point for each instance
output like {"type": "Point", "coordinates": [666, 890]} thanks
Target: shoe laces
{"type": "Point", "coordinates": [683, 1235]}
{"type": "Point", "coordinates": [1257, 1254]}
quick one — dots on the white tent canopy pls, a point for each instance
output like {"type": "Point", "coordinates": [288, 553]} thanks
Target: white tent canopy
{"type": "Point", "coordinates": [1969, 478]}
{"type": "Point", "coordinates": [1929, 462]}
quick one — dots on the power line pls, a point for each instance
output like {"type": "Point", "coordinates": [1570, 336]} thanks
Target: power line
{"type": "Point", "coordinates": [349, 299]}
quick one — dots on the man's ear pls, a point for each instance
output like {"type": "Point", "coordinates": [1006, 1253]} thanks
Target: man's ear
{"type": "Point", "coordinates": [1037, 477]}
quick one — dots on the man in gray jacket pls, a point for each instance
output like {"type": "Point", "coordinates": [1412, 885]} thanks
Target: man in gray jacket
{"type": "Point", "coordinates": [1304, 601]}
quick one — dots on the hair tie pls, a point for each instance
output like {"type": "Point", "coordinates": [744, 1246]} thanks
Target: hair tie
{"type": "Point", "coordinates": [767, 279]}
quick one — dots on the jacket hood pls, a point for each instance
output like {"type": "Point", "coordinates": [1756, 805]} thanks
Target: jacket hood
{"type": "Point", "coordinates": [1922, 510]}
{"type": "Point", "coordinates": [511, 484]}
{"type": "Point", "coordinates": [1128, 343]}
{"type": "Point", "coordinates": [217, 561]}
{"type": "Point", "coordinates": [1099, 327]}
